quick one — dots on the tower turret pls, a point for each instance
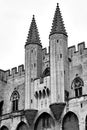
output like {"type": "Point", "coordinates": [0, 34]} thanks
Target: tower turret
{"type": "Point", "coordinates": [58, 58]}
{"type": "Point", "coordinates": [33, 60]}
{"type": "Point", "coordinates": [58, 25]}
{"type": "Point", "coordinates": [33, 35]}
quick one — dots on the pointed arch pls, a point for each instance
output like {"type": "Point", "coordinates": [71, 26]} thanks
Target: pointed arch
{"type": "Point", "coordinates": [44, 121]}
{"type": "Point", "coordinates": [48, 91]}
{"type": "Point", "coordinates": [22, 126]}
{"type": "Point", "coordinates": [4, 128]}
{"type": "Point", "coordinates": [15, 95]}
{"type": "Point", "coordinates": [40, 94]}
{"type": "Point", "coordinates": [36, 95]}
{"type": "Point", "coordinates": [44, 93]}
{"type": "Point", "coordinates": [70, 121]}
{"type": "Point", "coordinates": [14, 98]}
{"type": "Point", "coordinates": [86, 123]}
{"type": "Point", "coordinates": [77, 80]}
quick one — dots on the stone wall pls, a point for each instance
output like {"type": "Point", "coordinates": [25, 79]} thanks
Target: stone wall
{"type": "Point", "coordinates": [15, 80]}
{"type": "Point", "coordinates": [77, 66]}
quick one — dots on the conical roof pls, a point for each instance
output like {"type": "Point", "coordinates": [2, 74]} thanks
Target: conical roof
{"type": "Point", "coordinates": [58, 25]}
{"type": "Point", "coordinates": [33, 35]}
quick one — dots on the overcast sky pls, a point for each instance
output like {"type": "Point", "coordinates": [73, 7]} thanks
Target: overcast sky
{"type": "Point", "coordinates": [15, 19]}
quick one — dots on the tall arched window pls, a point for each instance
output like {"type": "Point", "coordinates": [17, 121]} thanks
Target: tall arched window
{"type": "Point", "coordinates": [14, 99]}
{"type": "Point", "coordinates": [77, 85]}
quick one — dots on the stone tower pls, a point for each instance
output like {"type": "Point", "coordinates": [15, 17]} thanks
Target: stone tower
{"type": "Point", "coordinates": [33, 60]}
{"type": "Point", "coordinates": [58, 58]}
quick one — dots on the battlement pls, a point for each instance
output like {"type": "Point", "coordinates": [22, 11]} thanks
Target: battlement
{"type": "Point", "coordinates": [81, 47]}
{"type": "Point", "coordinates": [4, 75]}
{"type": "Point", "coordinates": [40, 82]}
{"type": "Point", "coordinates": [45, 50]}
{"type": "Point", "coordinates": [81, 50]}
{"type": "Point", "coordinates": [45, 53]}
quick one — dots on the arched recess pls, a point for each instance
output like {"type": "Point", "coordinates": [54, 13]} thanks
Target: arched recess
{"type": "Point", "coordinates": [44, 121]}
{"type": "Point", "coordinates": [22, 126]}
{"type": "Point", "coordinates": [4, 128]}
{"type": "Point", "coordinates": [86, 123]}
{"type": "Point", "coordinates": [46, 72]}
{"type": "Point", "coordinates": [70, 122]}
{"type": "Point", "coordinates": [77, 85]}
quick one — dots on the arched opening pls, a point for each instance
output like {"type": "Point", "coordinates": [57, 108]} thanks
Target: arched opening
{"type": "Point", "coordinates": [70, 122]}
{"type": "Point", "coordinates": [22, 126]}
{"type": "Point", "coordinates": [77, 84]}
{"type": "Point", "coordinates": [14, 98]}
{"type": "Point", "coordinates": [48, 92]}
{"type": "Point", "coordinates": [44, 93]}
{"type": "Point", "coordinates": [46, 72]}
{"type": "Point", "coordinates": [40, 94]}
{"type": "Point", "coordinates": [36, 95]}
{"type": "Point", "coordinates": [4, 128]}
{"type": "Point", "coordinates": [44, 122]}
{"type": "Point", "coordinates": [86, 123]}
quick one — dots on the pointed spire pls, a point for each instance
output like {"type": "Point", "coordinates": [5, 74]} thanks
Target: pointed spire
{"type": "Point", "coordinates": [33, 35]}
{"type": "Point", "coordinates": [58, 25]}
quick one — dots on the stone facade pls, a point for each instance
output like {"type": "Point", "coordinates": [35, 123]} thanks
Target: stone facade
{"type": "Point", "coordinates": [51, 91]}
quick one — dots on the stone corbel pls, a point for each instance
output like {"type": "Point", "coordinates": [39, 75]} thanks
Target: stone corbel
{"type": "Point", "coordinates": [30, 115]}
{"type": "Point", "coordinates": [57, 109]}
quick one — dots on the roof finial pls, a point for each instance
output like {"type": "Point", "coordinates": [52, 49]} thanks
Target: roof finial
{"type": "Point", "coordinates": [33, 16]}
{"type": "Point", "coordinates": [58, 25]}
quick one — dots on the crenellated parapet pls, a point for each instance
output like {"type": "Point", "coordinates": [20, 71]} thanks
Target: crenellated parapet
{"type": "Point", "coordinates": [2, 75]}
{"type": "Point", "coordinates": [14, 72]}
{"type": "Point", "coordinates": [71, 51]}
{"type": "Point", "coordinates": [81, 50]}
{"type": "Point", "coordinates": [44, 52]}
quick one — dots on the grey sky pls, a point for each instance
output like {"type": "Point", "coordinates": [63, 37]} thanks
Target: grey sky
{"type": "Point", "coordinates": [15, 19]}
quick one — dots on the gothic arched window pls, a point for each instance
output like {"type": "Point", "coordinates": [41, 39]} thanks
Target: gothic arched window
{"type": "Point", "coordinates": [77, 84]}
{"type": "Point", "coordinates": [14, 99]}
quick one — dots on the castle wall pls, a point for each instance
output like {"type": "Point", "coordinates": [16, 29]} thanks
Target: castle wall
{"type": "Point", "coordinates": [2, 86]}
{"type": "Point", "coordinates": [77, 66]}
{"type": "Point", "coordinates": [12, 81]}
{"type": "Point", "coordinates": [9, 80]}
